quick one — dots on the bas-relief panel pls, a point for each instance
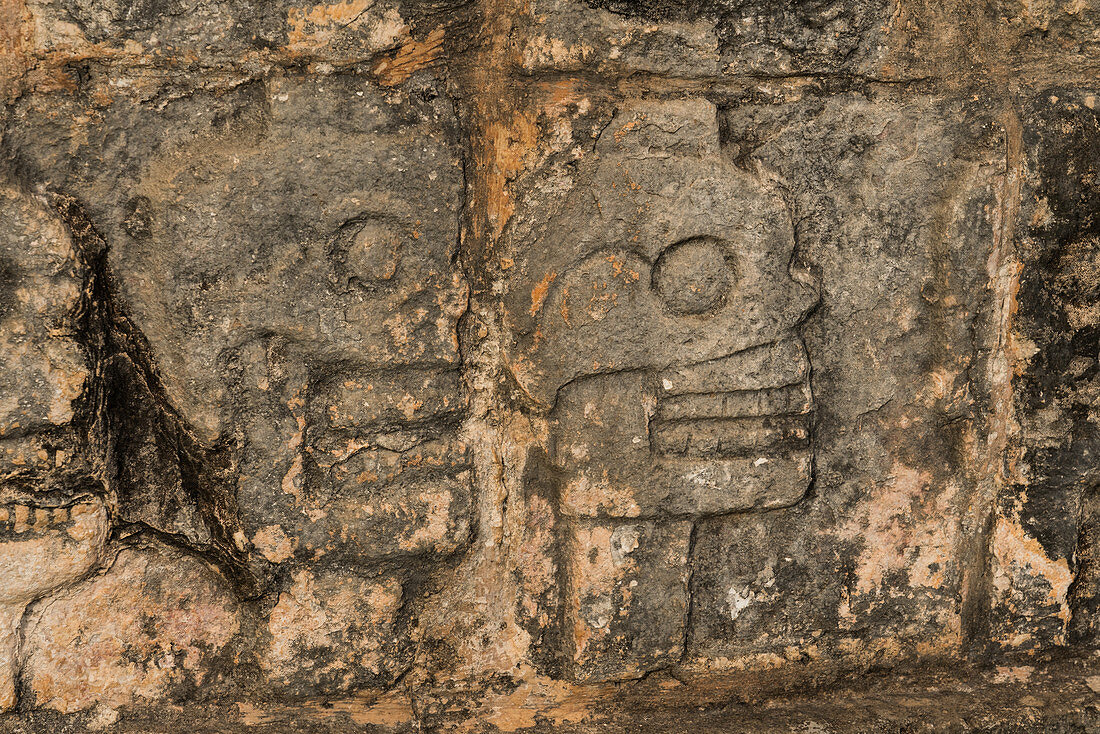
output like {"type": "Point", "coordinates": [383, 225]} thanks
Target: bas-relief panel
{"type": "Point", "coordinates": [293, 307]}
{"type": "Point", "coordinates": [655, 318]}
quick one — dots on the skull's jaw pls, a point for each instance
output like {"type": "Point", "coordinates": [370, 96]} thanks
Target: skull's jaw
{"type": "Point", "coordinates": [734, 433]}
{"type": "Point", "coordinates": [45, 543]}
{"type": "Point", "coordinates": [725, 435]}
{"type": "Point", "coordinates": [44, 546]}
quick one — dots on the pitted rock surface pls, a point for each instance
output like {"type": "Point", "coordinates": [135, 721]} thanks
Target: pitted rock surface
{"type": "Point", "coordinates": [572, 365]}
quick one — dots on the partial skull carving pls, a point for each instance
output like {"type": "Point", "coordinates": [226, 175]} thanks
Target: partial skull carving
{"type": "Point", "coordinates": [53, 514]}
{"type": "Point", "coordinates": [658, 324]}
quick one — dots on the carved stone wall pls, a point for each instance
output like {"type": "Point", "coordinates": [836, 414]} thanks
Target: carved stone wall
{"type": "Point", "coordinates": [380, 348]}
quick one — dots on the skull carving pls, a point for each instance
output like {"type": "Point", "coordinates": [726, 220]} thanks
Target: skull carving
{"type": "Point", "coordinates": [659, 325]}
{"type": "Point", "coordinates": [300, 295]}
{"type": "Point", "coordinates": [282, 345]}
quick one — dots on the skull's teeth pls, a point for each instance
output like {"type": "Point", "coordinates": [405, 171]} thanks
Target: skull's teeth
{"type": "Point", "coordinates": [759, 368]}
{"type": "Point", "coordinates": [744, 404]}
{"type": "Point", "coordinates": [21, 521]}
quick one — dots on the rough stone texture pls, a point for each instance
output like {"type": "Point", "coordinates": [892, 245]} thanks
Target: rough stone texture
{"type": "Point", "coordinates": [349, 624]}
{"type": "Point", "coordinates": [42, 284]}
{"type": "Point", "coordinates": [147, 628]}
{"type": "Point", "coordinates": [1044, 582]}
{"type": "Point", "coordinates": [574, 365]}
{"type": "Point", "coordinates": [627, 598]}
{"type": "Point", "coordinates": [704, 37]}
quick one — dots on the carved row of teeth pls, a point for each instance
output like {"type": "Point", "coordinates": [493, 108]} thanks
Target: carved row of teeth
{"type": "Point", "coordinates": [768, 366]}
{"type": "Point", "coordinates": [783, 400]}
{"type": "Point", "coordinates": [753, 401]}
{"type": "Point", "coordinates": [21, 518]}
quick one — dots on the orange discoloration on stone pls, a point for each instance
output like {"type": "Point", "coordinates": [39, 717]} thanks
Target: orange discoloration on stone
{"type": "Point", "coordinates": [273, 542]}
{"type": "Point", "coordinates": [541, 698]}
{"type": "Point", "coordinates": [595, 573]}
{"type": "Point", "coordinates": [390, 710]}
{"type": "Point", "coordinates": [292, 480]}
{"type": "Point", "coordinates": [510, 143]}
{"type": "Point", "coordinates": [146, 624]}
{"type": "Point", "coordinates": [906, 526]}
{"type": "Point", "coordinates": [408, 405]}
{"type": "Point", "coordinates": [539, 292]}
{"type": "Point", "coordinates": [22, 515]}
{"type": "Point", "coordinates": [14, 44]}
{"type": "Point", "coordinates": [629, 127]}
{"type": "Point", "coordinates": [1017, 555]}
{"type": "Point", "coordinates": [45, 556]}
{"type": "Point", "coordinates": [592, 498]}
{"type": "Point", "coordinates": [410, 58]}
{"type": "Point", "coordinates": [437, 523]}
{"type": "Point", "coordinates": [1020, 567]}
{"type": "Point", "coordinates": [10, 617]}
{"type": "Point", "coordinates": [317, 613]}
{"type": "Point", "coordinates": [368, 708]}
{"type": "Point", "coordinates": [68, 385]}
{"type": "Point", "coordinates": [314, 28]}
{"type": "Point", "coordinates": [546, 51]}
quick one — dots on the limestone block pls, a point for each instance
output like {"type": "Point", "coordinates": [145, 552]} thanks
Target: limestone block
{"type": "Point", "coordinates": [42, 548]}
{"type": "Point", "coordinates": [335, 632]}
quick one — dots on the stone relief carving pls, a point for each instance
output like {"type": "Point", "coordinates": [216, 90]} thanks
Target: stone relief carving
{"type": "Point", "coordinates": [658, 324]}
{"type": "Point", "coordinates": [302, 430]}
{"type": "Point", "coordinates": [318, 381]}
{"type": "Point", "coordinates": [53, 510]}
{"type": "Point", "coordinates": [327, 358]}
{"type": "Point", "coordinates": [244, 385]}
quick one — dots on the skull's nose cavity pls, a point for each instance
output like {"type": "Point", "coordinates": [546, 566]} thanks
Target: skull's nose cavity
{"type": "Point", "coordinates": [693, 276]}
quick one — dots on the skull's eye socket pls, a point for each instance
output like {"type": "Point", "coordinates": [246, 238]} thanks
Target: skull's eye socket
{"type": "Point", "coordinates": [693, 276]}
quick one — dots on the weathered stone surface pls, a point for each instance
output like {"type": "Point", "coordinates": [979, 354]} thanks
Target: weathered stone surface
{"type": "Point", "coordinates": [656, 215]}
{"type": "Point", "coordinates": [394, 37]}
{"type": "Point", "coordinates": [664, 334]}
{"type": "Point", "coordinates": [636, 460]}
{"type": "Point", "coordinates": [310, 420]}
{"type": "Point", "coordinates": [720, 39]}
{"type": "Point", "coordinates": [664, 337]}
{"type": "Point", "coordinates": [626, 610]}
{"type": "Point", "coordinates": [896, 204]}
{"type": "Point", "coordinates": [42, 548]}
{"type": "Point", "coordinates": [1019, 698]}
{"type": "Point", "coordinates": [335, 480]}
{"type": "Point", "coordinates": [53, 519]}
{"type": "Point", "coordinates": [253, 251]}
{"type": "Point", "coordinates": [151, 626]}
{"type": "Point", "coordinates": [763, 588]}
{"type": "Point", "coordinates": [335, 633]}
{"type": "Point", "coordinates": [41, 284]}
{"type": "Point", "coordinates": [1044, 584]}
{"type": "Point", "coordinates": [705, 38]}
{"type": "Point", "coordinates": [493, 365]}
{"type": "Point", "coordinates": [297, 263]}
